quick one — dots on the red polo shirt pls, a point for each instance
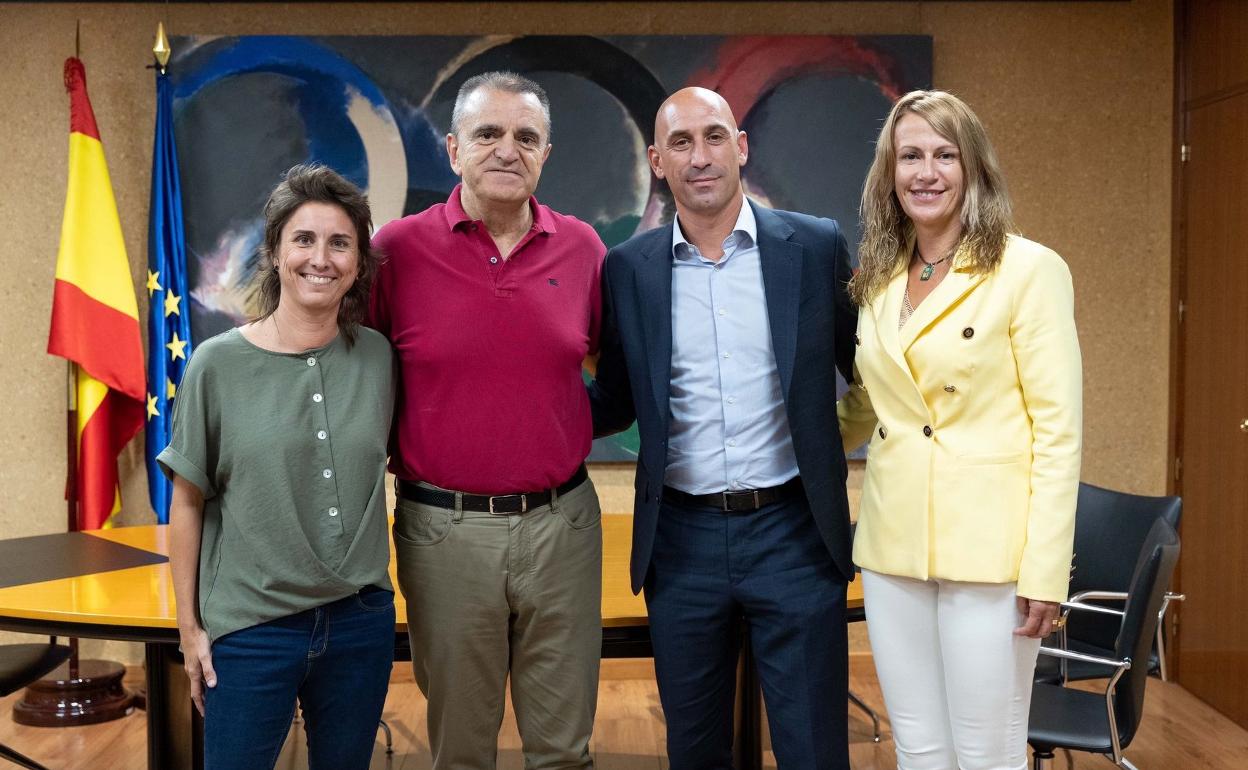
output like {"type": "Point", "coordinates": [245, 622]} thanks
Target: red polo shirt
{"type": "Point", "coordinates": [491, 398]}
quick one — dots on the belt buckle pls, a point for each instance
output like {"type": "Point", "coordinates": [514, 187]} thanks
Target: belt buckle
{"type": "Point", "coordinates": [726, 507]}
{"type": "Point", "coordinates": [524, 505]}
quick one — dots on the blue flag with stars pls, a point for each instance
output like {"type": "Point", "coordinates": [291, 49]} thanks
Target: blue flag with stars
{"type": "Point", "coordinates": [168, 319]}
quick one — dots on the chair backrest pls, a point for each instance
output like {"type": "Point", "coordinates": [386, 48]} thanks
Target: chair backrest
{"type": "Point", "coordinates": [1148, 586]}
{"type": "Point", "coordinates": [1110, 529]}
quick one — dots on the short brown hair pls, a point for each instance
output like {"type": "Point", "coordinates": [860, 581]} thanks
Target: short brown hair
{"type": "Point", "coordinates": [316, 183]}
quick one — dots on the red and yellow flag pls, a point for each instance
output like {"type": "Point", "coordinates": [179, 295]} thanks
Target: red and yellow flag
{"type": "Point", "coordinates": [95, 318]}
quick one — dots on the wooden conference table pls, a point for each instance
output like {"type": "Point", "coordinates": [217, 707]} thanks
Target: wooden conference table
{"type": "Point", "coordinates": [116, 584]}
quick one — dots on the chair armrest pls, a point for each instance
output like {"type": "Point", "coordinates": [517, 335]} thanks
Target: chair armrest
{"type": "Point", "coordinates": [1067, 606]}
{"type": "Point", "coordinates": [1166, 598]}
{"type": "Point", "coordinates": [1072, 655]}
{"type": "Point", "coordinates": [1095, 595]}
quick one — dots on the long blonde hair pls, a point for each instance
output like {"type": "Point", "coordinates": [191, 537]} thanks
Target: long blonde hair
{"type": "Point", "coordinates": [888, 234]}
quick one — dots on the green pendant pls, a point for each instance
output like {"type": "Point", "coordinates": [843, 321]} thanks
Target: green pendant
{"type": "Point", "coordinates": [927, 271]}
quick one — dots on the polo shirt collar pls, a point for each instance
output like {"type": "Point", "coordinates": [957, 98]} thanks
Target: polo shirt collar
{"type": "Point", "coordinates": [746, 225]}
{"type": "Point", "coordinates": [543, 220]}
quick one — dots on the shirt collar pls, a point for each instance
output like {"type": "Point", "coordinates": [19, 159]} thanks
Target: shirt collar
{"type": "Point", "coordinates": [746, 225]}
{"type": "Point", "coordinates": [543, 219]}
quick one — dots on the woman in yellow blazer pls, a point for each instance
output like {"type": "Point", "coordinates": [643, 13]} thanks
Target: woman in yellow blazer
{"type": "Point", "coordinates": [969, 388]}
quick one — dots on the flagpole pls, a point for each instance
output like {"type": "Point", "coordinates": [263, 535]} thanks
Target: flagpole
{"type": "Point", "coordinates": [71, 448]}
{"type": "Point", "coordinates": [71, 478]}
{"type": "Point", "coordinates": [78, 692]}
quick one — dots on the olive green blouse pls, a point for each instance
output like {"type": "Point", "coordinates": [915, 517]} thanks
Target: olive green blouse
{"type": "Point", "coordinates": [289, 450]}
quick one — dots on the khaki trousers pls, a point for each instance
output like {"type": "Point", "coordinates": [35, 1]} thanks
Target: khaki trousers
{"type": "Point", "coordinates": [487, 595]}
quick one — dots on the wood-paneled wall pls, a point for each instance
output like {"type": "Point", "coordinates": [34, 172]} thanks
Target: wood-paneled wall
{"type": "Point", "coordinates": [1212, 642]}
{"type": "Point", "coordinates": [1075, 95]}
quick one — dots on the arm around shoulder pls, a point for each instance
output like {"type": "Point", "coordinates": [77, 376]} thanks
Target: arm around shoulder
{"type": "Point", "coordinates": [610, 393]}
{"type": "Point", "coordinates": [846, 310]}
{"type": "Point", "coordinates": [855, 415]}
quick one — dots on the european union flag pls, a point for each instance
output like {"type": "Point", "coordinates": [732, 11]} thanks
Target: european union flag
{"type": "Point", "coordinates": [169, 318]}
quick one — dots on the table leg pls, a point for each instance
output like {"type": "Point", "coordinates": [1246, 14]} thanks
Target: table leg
{"type": "Point", "coordinates": [175, 732]}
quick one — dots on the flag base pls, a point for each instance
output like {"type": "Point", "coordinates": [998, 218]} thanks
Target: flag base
{"type": "Point", "coordinates": [95, 694]}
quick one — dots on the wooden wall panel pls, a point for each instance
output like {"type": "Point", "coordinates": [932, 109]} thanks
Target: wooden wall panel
{"type": "Point", "coordinates": [1075, 95]}
{"type": "Point", "coordinates": [1218, 54]}
{"type": "Point", "coordinates": [1213, 440]}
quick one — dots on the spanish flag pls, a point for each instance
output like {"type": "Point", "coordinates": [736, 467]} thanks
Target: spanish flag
{"type": "Point", "coordinates": [95, 318]}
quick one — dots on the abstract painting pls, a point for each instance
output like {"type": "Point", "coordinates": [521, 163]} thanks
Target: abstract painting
{"type": "Point", "coordinates": [377, 109]}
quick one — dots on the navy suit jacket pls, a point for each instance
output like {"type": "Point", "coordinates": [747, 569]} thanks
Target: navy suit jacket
{"type": "Point", "coordinates": [805, 265]}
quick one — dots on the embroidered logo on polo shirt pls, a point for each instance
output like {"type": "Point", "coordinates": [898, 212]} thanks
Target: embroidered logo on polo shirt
{"type": "Point", "coordinates": [552, 281]}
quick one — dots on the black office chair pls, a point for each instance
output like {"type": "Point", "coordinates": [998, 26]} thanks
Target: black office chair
{"type": "Point", "coordinates": [1064, 718]}
{"type": "Point", "coordinates": [1110, 528]}
{"type": "Point", "coordinates": [20, 665]}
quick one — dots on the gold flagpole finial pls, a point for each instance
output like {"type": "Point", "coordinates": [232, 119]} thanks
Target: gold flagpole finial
{"type": "Point", "coordinates": [161, 49]}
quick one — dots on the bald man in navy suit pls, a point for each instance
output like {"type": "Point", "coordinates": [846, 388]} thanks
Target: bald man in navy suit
{"type": "Point", "coordinates": [722, 334]}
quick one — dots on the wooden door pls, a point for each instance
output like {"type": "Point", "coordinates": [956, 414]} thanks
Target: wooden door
{"type": "Point", "coordinates": [1212, 633]}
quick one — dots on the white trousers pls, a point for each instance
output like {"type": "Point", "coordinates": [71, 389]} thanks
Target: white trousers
{"type": "Point", "coordinates": [956, 681]}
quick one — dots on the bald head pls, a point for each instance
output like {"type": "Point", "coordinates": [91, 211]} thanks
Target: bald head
{"type": "Point", "coordinates": [699, 151]}
{"type": "Point", "coordinates": [688, 103]}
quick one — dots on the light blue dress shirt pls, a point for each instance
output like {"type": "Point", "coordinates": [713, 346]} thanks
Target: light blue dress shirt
{"type": "Point", "coordinates": [729, 429]}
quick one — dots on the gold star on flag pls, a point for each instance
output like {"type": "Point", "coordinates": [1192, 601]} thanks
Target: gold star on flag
{"type": "Point", "coordinates": [177, 348]}
{"type": "Point", "coordinates": [153, 282]}
{"type": "Point", "coordinates": [171, 390]}
{"type": "Point", "coordinates": [171, 304]}
{"type": "Point", "coordinates": [152, 411]}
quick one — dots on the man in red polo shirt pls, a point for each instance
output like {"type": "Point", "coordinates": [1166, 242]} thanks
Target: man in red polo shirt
{"type": "Point", "coordinates": [492, 301]}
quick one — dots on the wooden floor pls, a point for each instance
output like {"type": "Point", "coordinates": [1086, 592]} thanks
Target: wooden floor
{"type": "Point", "coordinates": [1179, 731]}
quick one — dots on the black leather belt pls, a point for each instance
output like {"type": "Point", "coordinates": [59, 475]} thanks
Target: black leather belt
{"type": "Point", "coordinates": [742, 501]}
{"type": "Point", "coordinates": [497, 504]}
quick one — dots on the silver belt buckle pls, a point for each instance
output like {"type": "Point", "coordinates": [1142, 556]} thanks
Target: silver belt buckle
{"type": "Point", "coordinates": [524, 505]}
{"type": "Point", "coordinates": [725, 497]}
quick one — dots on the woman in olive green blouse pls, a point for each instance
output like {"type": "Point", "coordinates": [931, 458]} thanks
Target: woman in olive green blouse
{"type": "Point", "coordinates": [279, 547]}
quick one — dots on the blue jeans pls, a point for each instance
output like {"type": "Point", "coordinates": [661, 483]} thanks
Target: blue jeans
{"type": "Point", "coordinates": [335, 659]}
{"type": "Point", "coordinates": [713, 572]}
